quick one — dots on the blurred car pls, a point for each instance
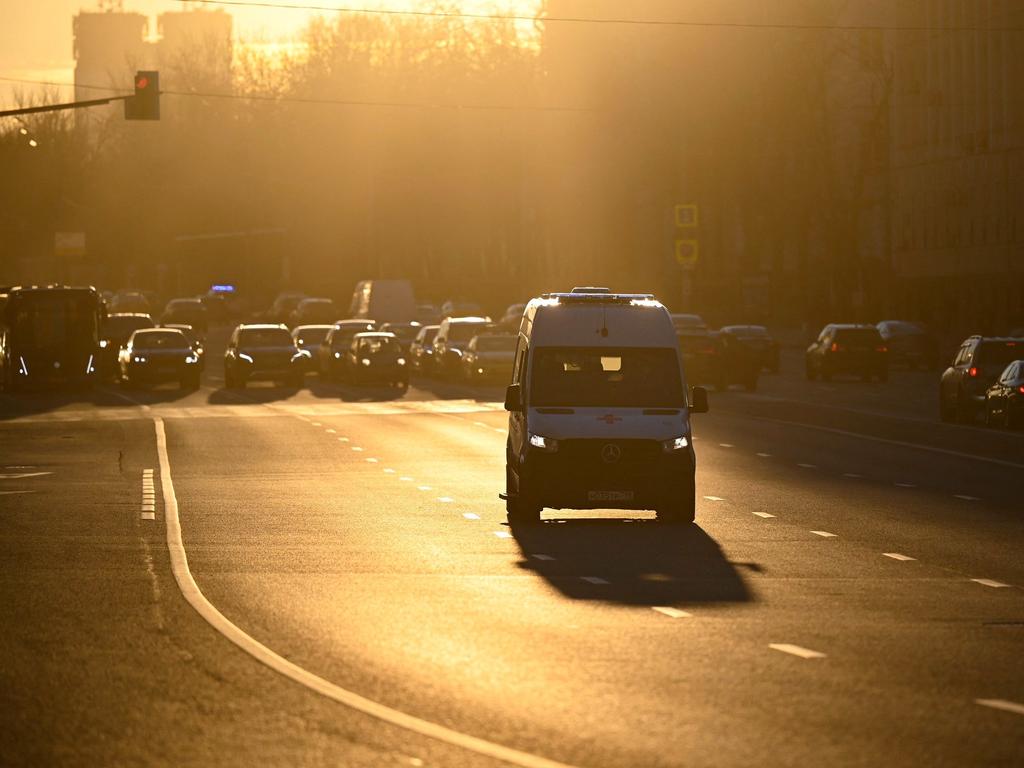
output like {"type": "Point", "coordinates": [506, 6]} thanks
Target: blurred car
{"type": "Point", "coordinates": [309, 338]}
{"type": "Point", "coordinates": [847, 348]}
{"type": "Point", "coordinates": [405, 333]}
{"type": "Point", "coordinates": [452, 337]}
{"type": "Point", "coordinates": [336, 343]}
{"type": "Point", "coordinates": [263, 351]}
{"type": "Point", "coordinates": [457, 308]}
{"type": "Point", "coordinates": [285, 303]}
{"type": "Point", "coordinates": [489, 357]}
{"type": "Point", "coordinates": [114, 332]}
{"type": "Point", "coordinates": [978, 363]}
{"type": "Point", "coordinates": [512, 317]}
{"type": "Point", "coordinates": [428, 314]}
{"type": "Point", "coordinates": [156, 355]}
{"type": "Point", "coordinates": [700, 349]}
{"type": "Point", "coordinates": [187, 312]}
{"type": "Point", "coordinates": [752, 341]}
{"type": "Point", "coordinates": [129, 302]}
{"type": "Point", "coordinates": [193, 339]}
{"type": "Point", "coordinates": [375, 358]}
{"type": "Point", "coordinates": [421, 351]}
{"type": "Point", "coordinates": [314, 312]}
{"type": "Point", "coordinates": [909, 343]}
{"type": "Point", "coordinates": [1004, 400]}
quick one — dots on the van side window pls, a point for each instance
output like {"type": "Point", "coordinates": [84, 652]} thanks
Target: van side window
{"type": "Point", "coordinates": [519, 374]}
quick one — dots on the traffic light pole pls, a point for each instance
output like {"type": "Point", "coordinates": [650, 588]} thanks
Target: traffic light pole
{"type": "Point", "coordinates": [59, 107]}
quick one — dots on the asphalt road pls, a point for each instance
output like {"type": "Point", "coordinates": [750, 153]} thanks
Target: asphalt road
{"type": "Point", "coordinates": [851, 594]}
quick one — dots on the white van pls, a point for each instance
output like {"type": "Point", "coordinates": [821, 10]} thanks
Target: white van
{"type": "Point", "coordinates": [383, 301]}
{"type": "Point", "coordinates": [598, 412]}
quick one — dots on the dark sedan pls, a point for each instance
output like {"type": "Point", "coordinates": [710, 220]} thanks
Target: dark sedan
{"type": "Point", "coordinates": [1004, 400]}
{"type": "Point", "coordinates": [909, 344]}
{"type": "Point", "coordinates": [263, 351]}
{"type": "Point", "coordinates": [157, 355]}
{"type": "Point", "coordinates": [336, 343]}
{"type": "Point", "coordinates": [847, 348]}
{"type": "Point", "coordinates": [114, 333]}
{"type": "Point", "coordinates": [375, 358]}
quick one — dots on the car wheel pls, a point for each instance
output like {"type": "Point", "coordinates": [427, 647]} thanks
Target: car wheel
{"type": "Point", "coordinates": [520, 509]}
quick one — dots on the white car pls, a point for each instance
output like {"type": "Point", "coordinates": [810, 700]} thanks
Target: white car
{"type": "Point", "coordinates": [598, 411]}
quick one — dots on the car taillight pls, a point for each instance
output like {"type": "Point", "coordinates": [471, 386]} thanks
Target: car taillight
{"type": "Point", "coordinates": [972, 371]}
{"type": "Point", "coordinates": [882, 349]}
{"type": "Point", "coordinates": [836, 346]}
{"type": "Point", "coordinates": [1021, 389]}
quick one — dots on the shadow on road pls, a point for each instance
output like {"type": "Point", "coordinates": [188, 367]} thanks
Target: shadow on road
{"type": "Point", "coordinates": [22, 404]}
{"type": "Point", "coordinates": [250, 395]}
{"type": "Point", "coordinates": [643, 561]}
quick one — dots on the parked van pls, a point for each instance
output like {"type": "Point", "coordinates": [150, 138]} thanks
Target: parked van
{"type": "Point", "coordinates": [599, 416]}
{"type": "Point", "coordinates": [384, 301]}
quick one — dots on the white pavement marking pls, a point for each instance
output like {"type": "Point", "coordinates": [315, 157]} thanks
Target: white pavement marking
{"type": "Point", "coordinates": [446, 499]}
{"type": "Point", "coordinates": [965, 498]}
{"type": "Point", "coordinates": [898, 556]}
{"type": "Point", "coordinates": [471, 515]}
{"type": "Point", "coordinates": [316, 423]}
{"type": "Point", "coordinates": [672, 613]}
{"type": "Point", "coordinates": [389, 471]}
{"type": "Point", "coordinates": [481, 424]}
{"type": "Point", "coordinates": [714, 498]}
{"type": "Point", "coordinates": [765, 515]}
{"type": "Point", "coordinates": [765, 455]}
{"type": "Point", "coordinates": [594, 579]}
{"type": "Point", "coordinates": [500, 431]}
{"type": "Point", "coordinates": [424, 488]}
{"type": "Point", "coordinates": [357, 449]}
{"type": "Point", "coordinates": [541, 556]}
{"type": "Point", "coordinates": [808, 466]}
{"type": "Point", "coordinates": [1003, 704]}
{"type": "Point", "coordinates": [405, 479]}
{"type": "Point", "coordinates": [331, 431]}
{"type": "Point", "coordinates": [342, 439]}
{"type": "Point", "coordinates": [372, 460]}
{"type": "Point", "coordinates": [191, 592]}
{"type": "Point", "coordinates": [905, 485]}
{"type": "Point", "coordinates": [824, 534]}
{"type": "Point", "coordinates": [990, 583]}
{"type": "Point", "coordinates": [796, 650]}
{"type": "Point", "coordinates": [726, 445]}
{"type": "Point", "coordinates": [12, 493]}
{"type": "Point", "coordinates": [853, 475]}
{"type": "Point", "coordinates": [22, 475]}
{"type": "Point", "coordinates": [503, 534]}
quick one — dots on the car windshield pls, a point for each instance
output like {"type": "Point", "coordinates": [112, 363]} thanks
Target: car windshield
{"type": "Point", "coordinates": [264, 337]}
{"type": "Point", "coordinates": [403, 332]}
{"type": "Point", "coordinates": [635, 377]}
{"type": "Point", "coordinates": [464, 331]}
{"type": "Point", "coordinates": [857, 335]}
{"type": "Point", "coordinates": [682, 322]}
{"type": "Point", "coordinates": [121, 327]}
{"type": "Point", "coordinates": [160, 340]}
{"type": "Point", "coordinates": [496, 344]}
{"type": "Point", "coordinates": [380, 347]}
{"type": "Point", "coordinates": [750, 330]}
{"type": "Point", "coordinates": [311, 337]}
{"type": "Point", "coordinates": [899, 328]}
{"type": "Point", "coordinates": [427, 335]}
{"type": "Point", "coordinates": [999, 353]}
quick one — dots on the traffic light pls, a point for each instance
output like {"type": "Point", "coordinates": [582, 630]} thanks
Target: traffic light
{"type": "Point", "coordinates": [145, 104]}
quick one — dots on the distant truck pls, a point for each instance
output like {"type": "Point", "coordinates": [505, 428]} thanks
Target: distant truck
{"type": "Point", "coordinates": [384, 301]}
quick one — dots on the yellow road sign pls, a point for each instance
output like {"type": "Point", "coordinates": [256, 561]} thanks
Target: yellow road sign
{"type": "Point", "coordinates": [687, 252]}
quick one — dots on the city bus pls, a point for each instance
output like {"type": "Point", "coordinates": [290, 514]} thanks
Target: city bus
{"type": "Point", "coordinates": [50, 337]}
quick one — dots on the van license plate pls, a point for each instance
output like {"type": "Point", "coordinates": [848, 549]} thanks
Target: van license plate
{"type": "Point", "coordinates": [609, 495]}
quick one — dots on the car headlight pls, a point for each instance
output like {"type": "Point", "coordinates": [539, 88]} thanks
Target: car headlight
{"type": "Point", "coordinates": [479, 370]}
{"type": "Point", "coordinates": [675, 444]}
{"type": "Point", "coordinates": [401, 361]}
{"type": "Point", "coordinates": [139, 359]}
{"type": "Point", "coordinates": [243, 356]}
{"type": "Point", "coordinates": [302, 354]}
{"type": "Point", "coordinates": [547, 444]}
{"type": "Point", "coordinates": [104, 343]}
{"type": "Point", "coordinates": [365, 361]}
{"type": "Point", "coordinates": [337, 355]}
{"type": "Point", "coordinates": [192, 359]}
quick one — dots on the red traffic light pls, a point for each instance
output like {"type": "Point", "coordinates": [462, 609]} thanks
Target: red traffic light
{"type": "Point", "coordinates": [141, 82]}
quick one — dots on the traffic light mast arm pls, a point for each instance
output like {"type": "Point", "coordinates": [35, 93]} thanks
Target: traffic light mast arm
{"type": "Point", "coordinates": [58, 107]}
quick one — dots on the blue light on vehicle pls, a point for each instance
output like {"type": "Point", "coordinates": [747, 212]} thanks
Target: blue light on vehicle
{"type": "Point", "coordinates": [225, 288]}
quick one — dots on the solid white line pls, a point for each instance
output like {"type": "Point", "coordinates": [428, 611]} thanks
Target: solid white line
{"type": "Point", "coordinates": [471, 515]}
{"type": "Point", "coordinates": [965, 498]}
{"type": "Point", "coordinates": [808, 466]}
{"type": "Point", "coordinates": [714, 498]}
{"type": "Point", "coordinates": [541, 556]}
{"type": "Point", "coordinates": [905, 485]}
{"type": "Point", "coordinates": [726, 445]}
{"type": "Point", "coordinates": [195, 597]}
{"type": "Point", "coordinates": [796, 650]}
{"type": "Point", "coordinates": [594, 579]}
{"type": "Point", "coordinates": [22, 475]}
{"type": "Point", "coordinates": [503, 534]}
{"type": "Point", "coordinates": [13, 493]}
{"type": "Point", "coordinates": [990, 583]}
{"type": "Point", "coordinates": [765, 515]}
{"type": "Point", "coordinates": [672, 613]}
{"type": "Point", "coordinates": [1003, 704]}
{"type": "Point", "coordinates": [898, 556]}
{"type": "Point", "coordinates": [765, 455]}
{"type": "Point", "coordinates": [500, 431]}
{"type": "Point", "coordinates": [824, 534]}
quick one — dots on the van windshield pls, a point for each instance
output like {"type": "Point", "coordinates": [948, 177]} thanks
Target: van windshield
{"type": "Point", "coordinates": [625, 377]}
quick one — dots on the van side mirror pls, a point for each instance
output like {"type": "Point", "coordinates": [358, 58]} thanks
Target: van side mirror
{"type": "Point", "coordinates": [699, 400]}
{"type": "Point", "coordinates": [513, 398]}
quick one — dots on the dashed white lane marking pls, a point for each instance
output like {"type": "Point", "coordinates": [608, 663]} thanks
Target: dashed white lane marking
{"type": "Point", "coordinates": [445, 499]}
{"type": "Point", "coordinates": [898, 556]}
{"type": "Point", "coordinates": [853, 475]}
{"type": "Point", "coordinates": [808, 466]}
{"type": "Point", "coordinates": [726, 445]}
{"type": "Point", "coordinates": [1003, 704]}
{"type": "Point", "coordinates": [965, 497]}
{"type": "Point", "coordinates": [765, 455]}
{"type": "Point", "coordinates": [765, 515]}
{"type": "Point", "coordinates": [471, 515]}
{"type": "Point", "coordinates": [405, 479]}
{"type": "Point", "coordinates": [824, 534]}
{"type": "Point", "coordinates": [357, 449]}
{"type": "Point", "coordinates": [796, 650]}
{"type": "Point", "coordinates": [541, 556]}
{"type": "Point", "coordinates": [594, 579]}
{"type": "Point", "coordinates": [500, 431]}
{"type": "Point", "coordinates": [424, 488]}
{"type": "Point", "coordinates": [990, 583]}
{"type": "Point", "coordinates": [331, 431]}
{"type": "Point", "coordinates": [389, 471]}
{"type": "Point", "coordinates": [481, 424]}
{"type": "Point", "coordinates": [714, 498]}
{"type": "Point", "coordinates": [371, 460]}
{"type": "Point", "coordinates": [22, 475]}
{"type": "Point", "coordinates": [905, 485]}
{"type": "Point", "coordinates": [672, 613]}
{"type": "Point", "coordinates": [503, 534]}
{"type": "Point", "coordinates": [191, 592]}
{"type": "Point", "coordinates": [316, 423]}
{"type": "Point", "coordinates": [342, 439]}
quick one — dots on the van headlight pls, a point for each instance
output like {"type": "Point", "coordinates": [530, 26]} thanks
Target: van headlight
{"type": "Point", "coordinates": [192, 359]}
{"type": "Point", "coordinates": [547, 444]}
{"type": "Point", "coordinates": [139, 359]}
{"type": "Point", "coordinates": [675, 444]}
{"type": "Point", "coordinates": [103, 343]}
{"type": "Point", "coordinates": [243, 356]}
{"type": "Point", "coordinates": [401, 361]}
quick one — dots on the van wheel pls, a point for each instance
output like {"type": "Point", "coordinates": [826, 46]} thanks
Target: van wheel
{"type": "Point", "coordinates": [519, 509]}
